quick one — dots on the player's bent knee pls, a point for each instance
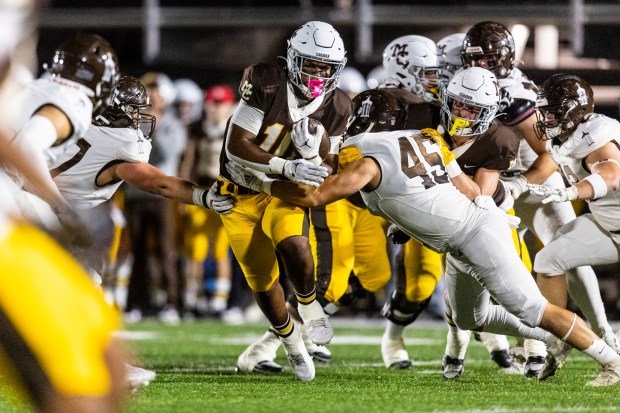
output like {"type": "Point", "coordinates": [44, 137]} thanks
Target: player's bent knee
{"type": "Point", "coordinates": [466, 322]}
{"type": "Point", "coordinates": [547, 262]}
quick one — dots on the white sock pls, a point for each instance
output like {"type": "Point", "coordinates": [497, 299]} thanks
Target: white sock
{"type": "Point", "coordinates": [534, 348]}
{"type": "Point", "coordinates": [602, 353]}
{"type": "Point", "coordinates": [457, 342]}
{"type": "Point", "coordinates": [494, 342]}
{"type": "Point", "coordinates": [584, 290]}
{"type": "Point", "coordinates": [222, 286]}
{"type": "Point", "coordinates": [393, 330]}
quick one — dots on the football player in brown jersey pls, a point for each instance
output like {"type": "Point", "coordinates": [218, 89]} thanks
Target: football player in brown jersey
{"type": "Point", "coordinates": [483, 148]}
{"type": "Point", "coordinates": [259, 136]}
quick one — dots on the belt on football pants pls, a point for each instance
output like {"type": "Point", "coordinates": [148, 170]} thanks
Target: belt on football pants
{"type": "Point", "coordinates": [227, 187]}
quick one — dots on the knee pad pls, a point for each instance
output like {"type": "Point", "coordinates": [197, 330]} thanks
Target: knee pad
{"type": "Point", "coordinates": [401, 312]}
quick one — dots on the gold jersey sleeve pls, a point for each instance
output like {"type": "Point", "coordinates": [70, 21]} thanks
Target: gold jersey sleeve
{"type": "Point", "coordinates": [348, 155]}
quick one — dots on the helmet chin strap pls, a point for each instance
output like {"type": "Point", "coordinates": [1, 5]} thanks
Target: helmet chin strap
{"type": "Point", "coordinates": [316, 87]}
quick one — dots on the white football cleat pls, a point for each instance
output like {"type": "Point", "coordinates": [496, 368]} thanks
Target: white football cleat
{"type": "Point", "coordinates": [298, 356]}
{"type": "Point", "coordinates": [318, 353]}
{"type": "Point", "coordinates": [452, 369]}
{"type": "Point", "coordinates": [608, 377]}
{"type": "Point", "coordinates": [259, 356]}
{"type": "Point", "coordinates": [394, 353]}
{"type": "Point", "coordinates": [320, 330]}
{"type": "Point", "coordinates": [138, 377]}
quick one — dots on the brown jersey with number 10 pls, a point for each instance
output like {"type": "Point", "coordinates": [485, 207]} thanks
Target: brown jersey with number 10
{"type": "Point", "coordinates": [265, 87]}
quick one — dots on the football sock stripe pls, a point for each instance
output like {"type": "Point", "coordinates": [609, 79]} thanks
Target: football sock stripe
{"type": "Point", "coordinates": [306, 298]}
{"type": "Point", "coordinates": [285, 329]}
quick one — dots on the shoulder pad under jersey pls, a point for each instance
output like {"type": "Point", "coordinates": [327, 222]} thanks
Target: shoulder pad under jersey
{"type": "Point", "coordinates": [518, 98]}
{"type": "Point", "coordinates": [591, 135]}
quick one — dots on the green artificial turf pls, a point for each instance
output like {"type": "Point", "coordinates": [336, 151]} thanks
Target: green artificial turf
{"type": "Point", "coordinates": [195, 373]}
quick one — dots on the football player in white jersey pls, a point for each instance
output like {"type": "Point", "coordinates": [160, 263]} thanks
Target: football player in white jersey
{"type": "Point", "coordinates": [450, 48]}
{"type": "Point", "coordinates": [57, 110]}
{"type": "Point", "coordinates": [59, 358]}
{"type": "Point", "coordinates": [422, 199]}
{"type": "Point", "coordinates": [112, 150]}
{"type": "Point", "coordinates": [115, 149]}
{"type": "Point", "coordinates": [490, 45]}
{"type": "Point", "coordinates": [586, 147]}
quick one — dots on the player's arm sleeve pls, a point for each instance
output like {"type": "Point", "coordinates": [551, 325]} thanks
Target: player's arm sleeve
{"type": "Point", "coordinates": [33, 139]}
{"type": "Point", "coordinates": [249, 119]}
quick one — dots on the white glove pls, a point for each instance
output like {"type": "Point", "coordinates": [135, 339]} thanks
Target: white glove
{"type": "Point", "coordinates": [212, 199]}
{"type": "Point", "coordinates": [550, 194]}
{"type": "Point", "coordinates": [516, 187]}
{"type": "Point", "coordinates": [248, 177]}
{"type": "Point", "coordinates": [306, 142]}
{"type": "Point", "coordinates": [299, 170]}
{"type": "Point", "coordinates": [486, 202]}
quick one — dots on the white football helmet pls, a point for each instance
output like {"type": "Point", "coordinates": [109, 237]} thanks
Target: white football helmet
{"type": "Point", "coordinates": [450, 54]}
{"type": "Point", "coordinates": [316, 42]}
{"type": "Point", "coordinates": [412, 62]}
{"type": "Point", "coordinates": [478, 89]}
{"type": "Point", "coordinates": [352, 81]}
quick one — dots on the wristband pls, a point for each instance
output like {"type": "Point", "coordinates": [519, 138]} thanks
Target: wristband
{"type": "Point", "coordinates": [199, 196]}
{"type": "Point", "coordinates": [598, 184]}
{"type": "Point", "coordinates": [276, 165]}
{"type": "Point", "coordinates": [453, 169]}
{"type": "Point", "coordinates": [266, 186]}
{"type": "Point", "coordinates": [572, 192]}
{"type": "Point", "coordinates": [334, 144]}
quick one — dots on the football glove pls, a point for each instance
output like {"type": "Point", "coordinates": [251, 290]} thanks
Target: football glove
{"type": "Point", "coordinates": [212, 199]}
{"type": "Point", "coordinates": [550, 194]}
{"type": "Point", "coordinates": [298, 170]}
{"type": "Point", "coordinates": [516, 186]}
{"type": "Point", "coordinates": [486, 202]}
{"type": "Point", "coordinates": [306, 142]}
{"type": "Point", "coordinates": [397, 235]}
{"type": "Point", "coordinates": [250, 178]}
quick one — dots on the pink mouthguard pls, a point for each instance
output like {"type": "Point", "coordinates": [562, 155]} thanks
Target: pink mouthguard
{"type": "Point", "coordinates": [315, 86]}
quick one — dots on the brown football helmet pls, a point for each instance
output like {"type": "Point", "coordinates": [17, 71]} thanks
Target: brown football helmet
{"type": "Point", "coordinates": [127, 100]}
{"type": "Point", "coordinates": [376, 110]}
{"type": "Point", "coordinates": [492, 43]}
{"type": "Point", "coordinates": [89, 60]}
{"type": "Point", "coordinates": [562, 104]}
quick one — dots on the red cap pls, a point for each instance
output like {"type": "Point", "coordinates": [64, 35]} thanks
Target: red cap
{"type": "Point", "coordinates": [219, 94]}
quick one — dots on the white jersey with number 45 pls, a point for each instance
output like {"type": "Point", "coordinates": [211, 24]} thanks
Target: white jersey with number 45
{"type": "Point", "coordinates": [75, 168]}
{"type": "Point", "coordinates": [415, 192]}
